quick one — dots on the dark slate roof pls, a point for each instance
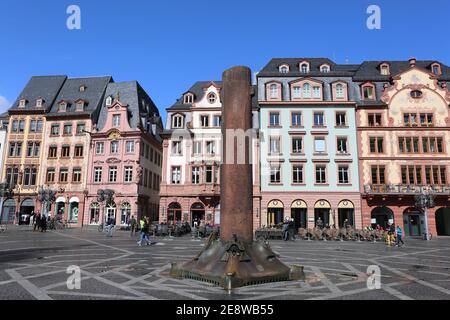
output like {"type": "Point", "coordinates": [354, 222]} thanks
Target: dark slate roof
{"type": "Point", "coordinates": [198, 90]}
{"type": "Point", "coordinates": [369, 70]}
{"type": "Point", "coordinates": [271, 69]}
{"type": "Point", "coordinates": [45, 87]}
{"type": "Point", "coordinates": [4, 115]}
{"type": "Point", "coordinates": [140, 105]}
{"type": "Point", "coordinates": [92, 95]}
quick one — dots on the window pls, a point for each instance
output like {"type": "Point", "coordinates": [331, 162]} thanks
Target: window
{"type": "Point", "coordinates": [112, 174]}
{"type": "Point", "coordinates": [21, 126]}
{"type": "Point", "coordinates": [116, 120]}
{"type": "Point", "coordinates": [273, 91]}
{"type": "Point", "coordinates": [27, 177]}
{"type": "Point", "coordinates": [384, 70]}
{"type": "Point", "coordinates": [76, 175]}
{"type": "Point", "coordinates": [436, 69]}
{"type": "Point", "coordinates": [319, 119]}
{"type": "Point", "coordinates": [65, 152]}
{"type": "Point", "coordinates": [63, 175]}
{"type": "Point", "coordinates": [342, 145]}
{"type": "Point", "coordinates": [147, 151]}
{"type": "Point", "coordinates": [36, 126]}
{"type": "Point", "coordinates": [274, 119]}
{"type": "Point", "coordinates": [376, 144]}
{"type": "Point", "coordinates": [176, 175]}
{"type": "Point", "coordinates": [109, 101]}
{"type": "Point", "coordinates": [435, 175]}
{"type": "Point", "coordinates": [304, 68]}
{"type": "Point", "coordinates": [195, 175]}
{"type": "Point", "coordinates": [78, 151]}
{"type": "Point", "coordinates": [378, 175]}
{"type": "Point", "coordinates": [374, 119]}
{"type": "Point", "coordinates": [341, 119]}
{"type": "Point", "coordinates": [316, 92]}
{"type": "Point", "coordinates": [114, 147]}
{"type": "Point", "coordinates": [98, 174]}
{"type": "Point", "coordinates": [411, 175]}
{"type": "Point", "coordinates": [30, 149]}
{"type": "Point", "coordinates": [432, 145]}
{"type": "Point", "coordinates": [368, 92]}
{"type": "Point", "coordinates": [176, 148]}
{"type": "Point", "coordinates": [408, 145]}
{"type": "Point", "coordinates": [297, 92]}
{"type": "Point", "coordinates": [80, 128]}
{"type": "Point", "coordinates": [217, 121]}
{"type": "Point", "coordinates": [296, 119]}
{"type": "Point", "coordinates": [67, 129]}
{"type": "Point", "coordinates": [343, 174]}
{"type": "Point", "coordinates": [177, 121]}
{"type": "Point", "coordinates": [284, 69]}
{"type": "Point", "coordinates": [297, 145]}
{"type": "Point", "coordinates": [54, 131]}
{"type": "Point", "coordinates": [306, 90]}
{"type": "Point", "coordinates": [321, 175]}
{"type": "Point", "coordinates": [188, 98]}
{"type": "Point", "coordinates": [410, 119]}
{"type": "Point", "coordinates": [128, 174]}
{"type": "Point", "coordinates": [145, 178]}
{"type": "Point", "coordinates": [52, 152]}
{"type": "Point", "coordinates": [197, 147]}
{"type": "Point", "coordinates": [339, 91]}
{"type": "Point", "coordinates": [50, 175]}
{"type": "Point", "coordinates": [22, 103]}
{"type": "Point", "coordinates": [212, 98]}
{"type": "Point", "coordinates": [325, 69]}
{"type": "Point", "coordinates": [416, 94]}
{"type": "Point", "coordinates": [129, 145]}
{"type": "Point", "coordinates": [209, 174]}
{"type": "Point", "coordinates": [275, 144]}
{"type": "Point", "coordinates": [426, 119]}
{"type": "Point", "coordinates": [319, 145]}
{"type": "Point", "coordinates": [12, 175]}
{"type": "Point", "coordinates": [210, 147]}
{"type": "Point", "coordinates": [99, 147]}
{"type": "Point", "coordinates": [151, 154]}
{"type": "Point", "coordinates": [275, 174]}
{"type": "Point", "coordinates": [297, 174]}
{"type": "Point", "coordinates": [204, 121]}
{"type": "Point", "coordinates": [15, 126]}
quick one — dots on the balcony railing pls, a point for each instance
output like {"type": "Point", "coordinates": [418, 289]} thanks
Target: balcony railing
{"type": "Point", "coordinates": [405, 189]}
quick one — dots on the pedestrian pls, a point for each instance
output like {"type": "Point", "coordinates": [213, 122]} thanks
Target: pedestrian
{"type": "Point", "coordinates": [37, 222]}
{"type": "Point", "coordinates": [291, 229]}
{"type": "Point", "coordinates": [391, 234]}
{"type": "Point", "coordinates": [43, 223]}
{"type": "Point", "coordinates": [285, 230]}
{"type": "Point", "coordinates": [319, 223]}
{"type": "Point", "coordinates": [110, 227]}
{"type": "Point", "coordinates": [133, 223]}
{"type": "Point", "coordinates": [399, 234]}
{"type": "Point", "coordinates": [142, 233]}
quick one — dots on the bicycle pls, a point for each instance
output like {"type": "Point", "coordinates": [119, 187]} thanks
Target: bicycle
{"type": "Point", "coordinates": [100, 227]}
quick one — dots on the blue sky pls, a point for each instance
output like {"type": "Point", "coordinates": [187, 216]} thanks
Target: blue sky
{"type": "Point", "coordinates": [167, 45]}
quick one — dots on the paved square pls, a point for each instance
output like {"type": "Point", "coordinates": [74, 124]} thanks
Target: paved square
{"type": "Point", "coordinates": [33, 265]}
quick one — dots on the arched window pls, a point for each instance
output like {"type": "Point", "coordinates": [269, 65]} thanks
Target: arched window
{"type": "Point", "coordinates": [212, 98]}
{"type": "Point", "coordinates": [273, 91]}
{"type": "Point", "coordinates": [306, 90]}
{"type": "Point", "coordinates": [304, 68]}
{"type": "Point", "coordinates": [125, 213]}
{"type": "Point", "coordinates": [368, 91]}
{"type": "Point", "coordinates": [109, 101]}
{"type": "Point", "coordinates": [188, 98]}
{"type": "Point", "coordinates": [325, 68]}
{"type": "Point", "coordinates": [384, 69]}
{"type": "Point", "coordinates": [436, 68]}
{"type": "Point", "coordinates": [284, 69]}
{"type": "Point", "coordinates": [177, 121]}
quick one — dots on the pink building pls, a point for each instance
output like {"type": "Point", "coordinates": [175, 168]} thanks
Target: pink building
{"type": "Point", "coordinates": [125, 157]}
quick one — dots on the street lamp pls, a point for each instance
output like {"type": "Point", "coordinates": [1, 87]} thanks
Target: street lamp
{"type": "Point", "coordinates": [425, 201]}
{"type": "Point", "coordinates": [46, 196]}
{"type": "Point", "coordinates": [5, 191]}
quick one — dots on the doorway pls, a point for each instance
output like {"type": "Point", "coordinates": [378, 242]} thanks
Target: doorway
{"type": "Point", "coordinates": [443, 221]}
{"type": "Point", "coordinates": [413, 222]}
{"type": "Point", "coordinates": [299, 216]}
{"type": "Point", "coordinates": [381, 216]}
{"type": "Point", "coordinates": [197, 213]}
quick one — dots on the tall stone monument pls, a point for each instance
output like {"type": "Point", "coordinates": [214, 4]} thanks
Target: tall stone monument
{"type": "Point", "coordinates": [235, 260]}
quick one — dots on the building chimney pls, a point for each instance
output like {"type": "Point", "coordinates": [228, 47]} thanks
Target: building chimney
{"type": "Point", "coordinates": [412, 62]}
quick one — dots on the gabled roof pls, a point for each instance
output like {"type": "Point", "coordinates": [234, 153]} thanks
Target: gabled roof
{"type": "Point", "coordinates": [45, 87]}
{"type": "Point", "coordinates": [70, 93]}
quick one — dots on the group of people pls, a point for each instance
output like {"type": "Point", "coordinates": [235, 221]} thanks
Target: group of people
{"type": "Point", "coordinates": [39, 222]}
{"type": "Point", "coordinates": [395, 235]}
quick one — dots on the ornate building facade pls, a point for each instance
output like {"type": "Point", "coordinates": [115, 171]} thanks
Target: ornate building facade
{"type": "Point", "coordinates": [125, 157]}
{"type": "Point", "coordinates": [190, 188]}
{"type": "Point", "coordinates": [309, 151]}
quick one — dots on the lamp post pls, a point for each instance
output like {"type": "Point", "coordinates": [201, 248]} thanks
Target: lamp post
{"type": "Point", "coordinates": [46, 196]}
{"type": "Point", "coordinates": [5, 191]}
{"type": "Point", "coordinates": [425, 201]}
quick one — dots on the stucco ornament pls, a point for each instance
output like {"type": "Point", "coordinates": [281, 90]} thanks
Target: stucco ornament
{"type": "Point", "coordinates": [138, 174]}
{"type": "Point", "coordinates": [114, 135]}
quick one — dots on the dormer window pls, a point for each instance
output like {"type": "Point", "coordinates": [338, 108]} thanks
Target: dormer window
{"type": "Point", "coordinates": [62, 107]}
{"type": "Point", "coordinates": [83, 88]}
{"type": "Point", "coordinates": [22, 103]}
{"type": "Point", "coordinates": [39, 103]}
{"type": "Point", "coordinates": [212, 98]}
{"type": "Point", "coordinates": [109, 101]}
{"type": "Point", "coordinates": [188, 98]}
{"type": "Point", "coordinates": [340, 91]}
{"type": "Point", "coordinates": [384, 69]}
{"type": "Point", "coordinates": [304, 67]}
{"type": "Point", "coordinates": [284, 68]}
{"type": "Point", "coordinates": [436, 68]}
{"type": "Point", "coordinates": [80, 105]}
{"type": "Point", "coordinates": [177, 121]}
{"type": "Point", "coordinates": [368, 91]}
{"type": "Point", "coordinates": [325, 68]}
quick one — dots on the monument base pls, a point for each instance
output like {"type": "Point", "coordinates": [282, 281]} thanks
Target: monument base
{"type": "Point", "coordinates": [233, 264]}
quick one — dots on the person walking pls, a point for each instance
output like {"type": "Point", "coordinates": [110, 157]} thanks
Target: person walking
{"type": "Point", "coordinates": [43, 223]}
{"type": "Point", "coordinates": [110, 227]}
{"type": "Point", "coordinates": [37, 222]}
{"type": "Point", "coordinates": [291, 229]}
{"type": "Point", "coordinates": [142, 233]}
{"type": "Point", "coordinates": [285, 230]}
{"type": "Point", "coordinates": [133, 223]}
{"type": "Point", "coordinates": [399, 234]}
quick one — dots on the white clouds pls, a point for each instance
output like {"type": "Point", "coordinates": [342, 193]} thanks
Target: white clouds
{"type": "Point", "coordinates": [4, 104]}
